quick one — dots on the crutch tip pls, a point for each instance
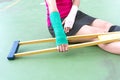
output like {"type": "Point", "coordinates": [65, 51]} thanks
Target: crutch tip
{"type": "Point", "coordinates": [11, 58]}
{"type": "Point", "coordinates": [13, 50]}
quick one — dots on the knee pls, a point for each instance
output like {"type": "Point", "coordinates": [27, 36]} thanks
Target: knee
{"type": "Point", "coordinates": [112, 47]}
{"type": "Point", "coordinates": [107, 25]}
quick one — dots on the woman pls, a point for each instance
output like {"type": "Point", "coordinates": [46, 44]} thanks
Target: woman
{"type": "Point", "coordinates": [64, 18]}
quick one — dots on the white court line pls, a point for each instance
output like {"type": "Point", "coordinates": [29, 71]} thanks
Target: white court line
{"type": "Point", "coordinates": [10, 5]}
{"type": "Point", "coordinates": [43, 3]}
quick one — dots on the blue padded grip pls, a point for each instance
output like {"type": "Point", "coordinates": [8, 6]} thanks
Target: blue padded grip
{"type": "Point", "coordinates": [13, 50]}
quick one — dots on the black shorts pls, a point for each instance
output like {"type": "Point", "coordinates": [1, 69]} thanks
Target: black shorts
{"type": "Point", "coordinates": [80, 20]}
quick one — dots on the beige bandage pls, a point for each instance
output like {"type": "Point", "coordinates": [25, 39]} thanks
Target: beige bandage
{"type": "Point", "coordinates": [70, 19]}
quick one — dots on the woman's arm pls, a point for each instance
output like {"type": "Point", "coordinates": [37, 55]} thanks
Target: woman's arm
{"type": "Point", "coordinates": [52, 5]}
{"type": "Point", "coordinates": [61, 39]}
{"type": "Point", "coordinates": [70, 19]}
{"type": "Point", "coordinates": [76, 2]}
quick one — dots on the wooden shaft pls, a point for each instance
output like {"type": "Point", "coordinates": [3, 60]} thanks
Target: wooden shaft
{"type": "Point", "coordinates": [53, 39]}
{"type": "Point", "coordinates": [37, 41]}
{"type": "Point", "coordinates": [70, 47]}
{"type": "Point", "coordinates": [69, 38]}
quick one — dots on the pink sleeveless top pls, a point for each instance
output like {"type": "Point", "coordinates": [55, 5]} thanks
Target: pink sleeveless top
{"type": "Point", "coordinates": [63, 6]}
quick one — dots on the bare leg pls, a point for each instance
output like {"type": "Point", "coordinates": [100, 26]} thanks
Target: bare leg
{"type": "Point", "coordinates": [85, 30]}
{"type": "Point", "coordinates": [113, 47]}
{"type": "Point", "coordinates": [99, 26]}
{"type": "Point", "coordinates": [104, 25]}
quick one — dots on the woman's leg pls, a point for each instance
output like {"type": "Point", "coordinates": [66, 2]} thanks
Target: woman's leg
{"type": "Point", "coordinates": [85, 30]}
{"type": "Point", "coordinates": [113, 47]}
{"type": "Point", "coordinates": [104, 25]}
{"type": "Point", "coordinates": [100, 26]}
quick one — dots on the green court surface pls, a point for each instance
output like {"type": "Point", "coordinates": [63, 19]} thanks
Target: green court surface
{"type": "Point", "coordinates": [26, 20]}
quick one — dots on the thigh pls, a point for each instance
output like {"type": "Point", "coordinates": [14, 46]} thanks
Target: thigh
{"type": "Point", "coordinates": [104, 25]}
{"type": "Point", "coordinates": [86, 29]}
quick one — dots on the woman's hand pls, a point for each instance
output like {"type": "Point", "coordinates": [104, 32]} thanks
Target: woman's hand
{"type": "Point", "coordinates": [66, 27]}
{"type": "Point", "coordinates": [62, 48]}
{"type": "Point", "coordinates": [70, 19]}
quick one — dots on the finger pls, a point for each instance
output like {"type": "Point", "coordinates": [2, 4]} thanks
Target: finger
{"type": "Point", "coordinates": [63, 48]}
{"type": "Point", "coordinates": [65, 29]}
{"type": "Point", "coordinates": [60, 48]}
{"type": "Point", "coordinates": [66, 47]}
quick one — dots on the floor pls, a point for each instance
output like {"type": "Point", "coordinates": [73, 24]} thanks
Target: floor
{"type": "Point", "coordinates": [25, 20]}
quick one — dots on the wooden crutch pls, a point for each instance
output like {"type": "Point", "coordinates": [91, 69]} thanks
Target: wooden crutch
{"type": "Point", "coordinates": [13, 52]}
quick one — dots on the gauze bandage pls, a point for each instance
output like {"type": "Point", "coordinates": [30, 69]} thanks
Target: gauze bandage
{"type": "Point", "coordinates": [70, 19]}
{"type": "Point", "coordinates": [58, 28]}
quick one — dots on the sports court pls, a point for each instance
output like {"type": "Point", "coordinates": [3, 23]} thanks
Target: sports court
{"type": "Point", "coordinates": [26, 20]}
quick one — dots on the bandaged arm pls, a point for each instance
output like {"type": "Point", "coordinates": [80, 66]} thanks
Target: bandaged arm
{"type": "Point", "coordinates": [58, 28]}
{"type": "Point", "coordinates": [70, 19]}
